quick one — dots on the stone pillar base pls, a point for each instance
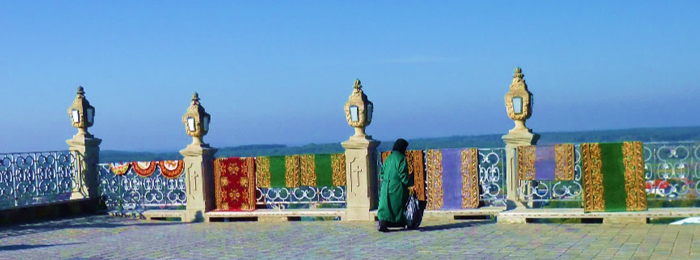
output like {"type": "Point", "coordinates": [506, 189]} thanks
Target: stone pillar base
{"type": "Point", "coordinates": [86, 179]}
{"type": "Point", "coordinates": [513, 140]}
{"type": "Point", "coordinates": [361, 179]}
{"type": "Point", "coordinates": [273, 219]}
{"type": "Point", "coordinates": [357, 214]}
{"type": "Point", "coordinates": [625, 220]}
{"type": "Point", "coordinates": [511, 220]}
{"type": "Point", "coordinates": [199, 181]}
{"type": "Point", "coordinates": [77, 195]}
{"type": "Point", "coordinates": [193, 216]}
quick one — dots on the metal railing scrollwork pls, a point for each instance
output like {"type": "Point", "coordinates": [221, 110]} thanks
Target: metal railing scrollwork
{"type": "Point", "coordinates": [492, 172]}
{"type": "Point", "coordinates": [671, 170]}
{"type": "Point", "coordinates": [38, 178]}
{"type": "Point", "coordinates": [133, 193]}
{"type": "Point", "coordinates": [300, 197]}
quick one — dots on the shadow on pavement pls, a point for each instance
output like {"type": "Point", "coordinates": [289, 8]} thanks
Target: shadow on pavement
{"type": "Point", "coordinates": [97, 222]}
{"type": "Point", "coordinates": [24, 247]}
{"type": "Point", "coordinates": [458, 225]}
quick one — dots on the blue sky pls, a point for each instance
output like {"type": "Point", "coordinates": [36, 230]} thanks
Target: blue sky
{"type": "Point", "coordinates": [280, 72]}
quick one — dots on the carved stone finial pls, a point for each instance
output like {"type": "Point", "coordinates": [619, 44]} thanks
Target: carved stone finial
{"type": "Point", "coordinates": [358, 84]}
{"type": "Point", "coordinates": [518, 73]}
{"type": "Point", "coordinates": [518, 81]}
{"type": "Point", "coordinates": [358, 110]}
{"type": "Point", "coordinates": [81, 113]}
{"type": "Point", "coordinates": [196, 121]}
{"type": "Point", "coordinates": [522, 110]}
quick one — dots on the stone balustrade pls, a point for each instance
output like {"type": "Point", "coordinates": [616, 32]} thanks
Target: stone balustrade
{"type": "Point", "coordinates": [672, 171]}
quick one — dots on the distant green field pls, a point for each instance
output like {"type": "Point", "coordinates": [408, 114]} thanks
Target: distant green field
{"type": "Point", "coordinates": [670, 134]}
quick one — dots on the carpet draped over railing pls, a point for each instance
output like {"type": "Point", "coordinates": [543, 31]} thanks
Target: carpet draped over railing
{"type": "Point", "coordinates": [453, 179]}
{"type": "Point", "coordinates": [547, 162]}
{"type": "Point", "coordinates": [613, 177]}
{"type": "Point", "coordinates": [235, 184]}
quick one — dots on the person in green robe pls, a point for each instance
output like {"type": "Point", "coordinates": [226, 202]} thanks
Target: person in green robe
{"type": "Point", "coordinates": [394, 193]}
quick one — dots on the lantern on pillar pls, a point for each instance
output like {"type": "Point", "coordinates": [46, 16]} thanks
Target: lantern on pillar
{"type": "Point", "coordinates": [519, 102]}
{"type": "Point", "coordinates": [196, 121]}
{"type": "Point", "coordinates": [82, 114]}
{"type": "Point", "coordinates": [358, 110]}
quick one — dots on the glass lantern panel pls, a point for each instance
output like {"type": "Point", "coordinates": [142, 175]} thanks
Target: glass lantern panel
{"type": "Point", "coordinates": [190, 124]}
{"type": "Point", "coordinates": [354, 114]}
{"type": "Point", "coordinates": [205, 126]}
{"type": "Point", "coordinates": [90, 115]}
{"type": "Point", "coordinates": [369, 112]}
{"type": "Point", "coordinates": [75, 115]}
{"type": "Point", "coordinates": [518, 105]}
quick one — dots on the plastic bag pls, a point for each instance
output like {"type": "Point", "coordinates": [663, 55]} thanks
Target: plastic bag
{"type": "Point", "coordinates": [414, 212]}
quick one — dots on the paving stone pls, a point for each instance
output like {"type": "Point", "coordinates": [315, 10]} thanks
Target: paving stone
{"type": "Point", "coordinates": [104, 237]}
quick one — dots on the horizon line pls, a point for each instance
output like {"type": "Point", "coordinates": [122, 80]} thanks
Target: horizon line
{"type": "Point", "coordinates": [419, 138]}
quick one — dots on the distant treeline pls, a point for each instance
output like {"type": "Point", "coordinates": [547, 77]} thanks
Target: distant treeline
{"type": "Point", "coordinates": [670, 134]}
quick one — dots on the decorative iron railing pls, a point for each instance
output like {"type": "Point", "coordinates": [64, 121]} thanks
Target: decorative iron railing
{"type": "Point", "coordinates": [38, 178]}
{"type": "Point", "coordinates": [131, 192]}
{"type": "Point", "coordinates": [301, 197]}
{"type": "Point", "coordinates": [672, 172]}
{"type": "Point", "coordinates": [492, 176]}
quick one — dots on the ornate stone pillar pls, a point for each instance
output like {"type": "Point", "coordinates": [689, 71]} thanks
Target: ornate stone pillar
{"type": "Point", "coordinates": [519, 108]}
{"type": "Point", "coordinates": [512, 142]}
{"type": "Point", "coordinates": [85, 149]}
{"type": "Point", "coordinates": [361, 182]}
{"type": "Point", "coordinates": [361, 158]}
{"type": "Point", "coordinates": [199, 163]}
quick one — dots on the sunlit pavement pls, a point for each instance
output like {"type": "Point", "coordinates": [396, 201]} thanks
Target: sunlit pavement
{"type": "Point", "coordinates": [104, 237]}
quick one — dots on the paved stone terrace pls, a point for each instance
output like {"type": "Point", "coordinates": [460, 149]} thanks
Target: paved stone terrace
{"type": "Point", "coordinates": [105, 237]}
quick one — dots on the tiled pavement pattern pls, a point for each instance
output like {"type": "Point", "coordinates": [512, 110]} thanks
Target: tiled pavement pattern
{"type": "Point", "coordinates": [104, 237]}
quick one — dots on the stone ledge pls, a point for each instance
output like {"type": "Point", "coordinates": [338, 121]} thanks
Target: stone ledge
{"type": "Point", "coordinates": [274, 215]}
{"type": "Point", "coordinates": [149, 214]}
{"type": "Point", "coordinates": [158, 214]}
{"type": "Point", "coordinates": [521, 215]}
{"type": "Point", "coordinates": [453, 214]}
{"type": "Point", "coordinates": [46, 211]}
{"type": "Point", "coordinates": [126, 214]}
